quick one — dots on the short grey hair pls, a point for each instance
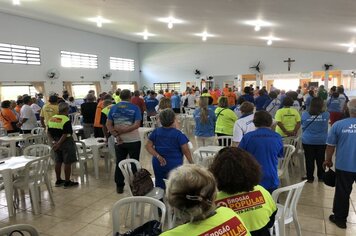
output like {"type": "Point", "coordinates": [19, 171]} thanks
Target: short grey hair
{"type": "Point", "coordinates": [352, 106]}
{"type": "Point", "coordinates": [90, 97]}
{"type": "Point", "coordinates": [63, 106]}
{"type": "Point", "coordinates": [167, 117]}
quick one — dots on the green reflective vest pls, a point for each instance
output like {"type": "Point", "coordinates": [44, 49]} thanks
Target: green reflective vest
{"type": "Point", "coordinates": [106, 110]}
{"type": "Point", "coordinates": [224, 222]}
{"type": "Point", "coordinates": [57, 121]}
{"type": "Point", "coordinates": [255, 208]}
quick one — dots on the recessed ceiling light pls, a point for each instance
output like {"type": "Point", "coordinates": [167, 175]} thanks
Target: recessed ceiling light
{"type": "Point", "coordinates": [16, 2]}
{"type": "Point", "coordinates": [351, 47]}
{"type": "Point", "coordinates": [145, 34]}
{"type": "Point", "coordinates": [204, 35]}
{"type": "Point", "coordinates": [99, 21]}
{"type": "Point", "coordinates": [170, 21]}
{"type": "Point", "coordinates": [258, 24]}
{"type": "Point", "coordinates": [270, 39]}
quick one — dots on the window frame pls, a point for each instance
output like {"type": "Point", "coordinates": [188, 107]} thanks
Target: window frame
{"type": "Point", "coordinates": [163, 86]}
{"type": "Point", "coordinates": [122, 66]}
{"type": "Point", "coordinates": [25, 55]}
{"type": "Point", "coordinates": [78, 57]}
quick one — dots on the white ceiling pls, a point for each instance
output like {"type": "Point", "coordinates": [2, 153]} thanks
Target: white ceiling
{"type": "Point", "coordinates": [310, 24]}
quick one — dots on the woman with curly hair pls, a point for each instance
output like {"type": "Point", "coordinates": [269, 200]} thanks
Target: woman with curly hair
{"type": "Point", "coordinates": [191, 191]}
{"type": "Point", "coordinates": [237, 175]}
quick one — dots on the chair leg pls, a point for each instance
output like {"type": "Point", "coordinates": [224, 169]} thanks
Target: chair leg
{"type": "Point", "coordinates": [281, 228]}
{"type": "Point", "coordinates": [34, 197]}
{"type": "Point", "coordinates": [50, 191]}
{"type": "Point", "coordinates": [296, 224]}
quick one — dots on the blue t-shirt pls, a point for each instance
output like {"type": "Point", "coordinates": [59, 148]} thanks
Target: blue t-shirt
{"type": "Point", "coordinates": [212, 107]}
{"type": "Point", "coordinates": [334, 105]}
{"type": "Point", "coordinates": [260, 102]}
{"type": "Point", "coordinates": [266, 146]}
{"type": "Point", "coordinates": [125, 114]}
{"type": "Point", "coordinates": [207, 129]}
{"type": "Point", "coordinates": [248, 98]}
{"type": "Point", "coordinates": [168, 142]}
{"type": "Point", "coordinates": [151, 104]}
{"type": "Point", "coordinates": [343, 136]}
{"type": "Point", "coordinates": [316, 130]}
{"type": "Point", "coordinates": [175, 100]}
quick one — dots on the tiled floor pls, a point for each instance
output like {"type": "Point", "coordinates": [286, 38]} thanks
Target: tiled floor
{"type": "Point", "coordinates": [86, 210]}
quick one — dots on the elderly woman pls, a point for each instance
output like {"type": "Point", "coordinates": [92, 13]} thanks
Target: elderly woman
{"type": "Point", "coordinates": [225, 120]}
{"type": "Point", "coordinates": [167, 145]}
{"type": "Point", "coordinates": [8, 117]}
{"type": "Point", "coordinates": [191, 191]}
{"type": "Point", "coordinates": [237, 174]}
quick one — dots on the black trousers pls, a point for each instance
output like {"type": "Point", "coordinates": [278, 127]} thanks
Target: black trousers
{"type": "Point", "coordinates": [314, 153]}
{"type": "Point", "coordinates": [344, 181]}
{"type": "Point", "coordinates": [122, 150]}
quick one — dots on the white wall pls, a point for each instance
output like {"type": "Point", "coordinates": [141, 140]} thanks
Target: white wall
{"type": "Point", "coordinates": [177, 62]}
{"type": "Point", "coordinates": [51, 39]}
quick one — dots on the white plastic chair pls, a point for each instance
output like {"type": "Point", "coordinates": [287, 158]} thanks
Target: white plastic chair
{"type": "Point", "coordinates": [3, 132]}
{"type": "Point", "coordinates": [5, 152]}
{"type": "Point", "coordinates": [287, 212]}
{"type": "Point", "coordinates": [84, 155]}
{"type": "Point", "coordinates": [207, 161]}
{"type": "Point", "coordinates": [126, 169]}
{"type": "Point", "coordinates": [34, 175]}
{"type": "Point", "coordinates": [37, 131]}
{"type": "Point", "coordinates": [138, 205]}
{"type": "Point", "coordinates": [225, 140]}
{"type": "Point", "coordinates": [77, 118]}
{"type": "Point", "coordinates": [154, 121]}
{"type": "Point", "coordinates": [37, 150]}
{"type": "Point", "coordinates": [283, 163]}
{"type": "Point", "coordinates": [204, 154]}
{"type": "Point", "coordinates": [24, 228]}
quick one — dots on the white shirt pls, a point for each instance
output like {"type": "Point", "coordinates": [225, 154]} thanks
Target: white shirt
{"type": "Point", "coordinates": [36, 108]}
{"type": "Point", "coordinates": [191, 101]}
{"type": "Point", "coordinates": [273, 107]}
{"type": "Point", "coordinates": [296, 105]}
{"type": "Point", "coordinates": [29, 114]}
{"type": "Point", "coordinates": [242, 126]}
{"type": "Point", "coordinates": [159, 96]}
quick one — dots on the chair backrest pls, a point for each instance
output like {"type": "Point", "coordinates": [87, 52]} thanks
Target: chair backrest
{"type": "Point", "coordinates": [204, 154]}
{"type": "Point", "coordinates": [293, 194]}
{"type": "Point", "coordinates": [154, 121]}
{"type": "Point", "coordinates": [291, 141]}
{"type": "Point", "coordinates": [13, 134]}
{"type": "Point", "coordinates": [225, 140]}
{"type": "Point", "coordinates": [126, 169]}
{"type": "Point", "coordinates": [37, 150]}
{"type": "Point", "coordinates": [37, 131]}
{"type": "Point", "coordinates": [36, 170]}
{"type": "Point", "coordinates": [144, 116]}
{"type": "Point", "coordinates": [81, 150]}
{"type": "Point", "coordinates": [207, 161]}
{"type": "Point", "coordinates": [5, 152]}
{"type": "Point", "coordinates": [35, 139]}
{"type": "Point", "coordinates": [3, 132]}
{"type": "Point", "coordinates": [283, 163]}
{"type": "Point", "coordinates": [24, 228]}
{"type": "Point", "coordinates": [139, 206]}
{"type": "Point", "coordinates": [77, 118]}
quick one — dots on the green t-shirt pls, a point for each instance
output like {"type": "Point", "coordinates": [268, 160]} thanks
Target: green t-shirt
{"type": "Point", "coordinates": [224, 222]}
{"type": "Point", "coordinates": [254, 208]}
{"type": "Point", "coordinates": [225, 120]}
{"type": "Point", "coordinates": [289, 117]}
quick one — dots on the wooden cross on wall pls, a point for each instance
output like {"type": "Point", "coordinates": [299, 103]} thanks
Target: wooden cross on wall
{"type": "Point", "coordinates": [289, 63]}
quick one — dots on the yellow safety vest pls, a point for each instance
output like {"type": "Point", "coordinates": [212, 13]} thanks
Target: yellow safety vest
{"type": "Point", "coordinates": [117, 98]}
{"type": "Point", "coordinates": [224, 222]}
{"type": "Point", "coordinates": [57, 121]}
{"type": "Point", "coordinates": [106, 110]}
{"type": "Point", "coordinates": [255, 208]}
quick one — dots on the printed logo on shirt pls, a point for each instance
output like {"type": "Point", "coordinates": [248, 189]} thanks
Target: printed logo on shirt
{"type": "Point", "coordinates": [243, 202]}
{"type": "Point", "coordinates": [56, 120]}
{"type": "Point", "coordinates": [232, 227]}
{"type": "Point", "coordinates": [351, 129]}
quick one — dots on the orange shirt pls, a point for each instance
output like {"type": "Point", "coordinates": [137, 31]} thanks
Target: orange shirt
{"type": "Point", "coordinates": [97, 119]}
{"type": "Point", "coordinates": [215, 97]}
{"type": "Point", "coordinates": [225, 91]}
{"type": "Point", "coordinates": [168, 95]}
{"type": "Point", "coordinates": [231, 98]}
{"type": "Point", "coordinates": [6, 117]}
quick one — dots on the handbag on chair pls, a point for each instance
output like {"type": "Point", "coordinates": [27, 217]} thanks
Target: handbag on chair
{"type": "Point", "coordinates": [141, 183]}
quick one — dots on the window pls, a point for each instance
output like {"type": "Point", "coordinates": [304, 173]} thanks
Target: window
{"type": "Point", "coordinates": [175, 86]}
{"type": "Point", "coordinates": [79, 60]}
{"type": "Point", "coordinates": [10, 92]}
{"type": "Point", "coordinates": [81, 90]}
{"type": "Point", "coordinates": [130, 87]}
{"type": "Point", "coordinates": [16, 54]}
{"type": "Point", "coordinates": [122, 64]}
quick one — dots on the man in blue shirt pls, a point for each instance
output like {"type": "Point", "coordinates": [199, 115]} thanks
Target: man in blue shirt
{"type": "Point", "coordinates": [175, 99]}
{"type": "Point", "coordinates": [123, 122]}
{"type": "Point", "coordinates": [342, 136]}
{"type": "Point", "coordinates": [266, 146]}
{"type": "Point", "coordinates": [151, 103]}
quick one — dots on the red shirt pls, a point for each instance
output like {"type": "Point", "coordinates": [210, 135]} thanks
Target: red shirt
{"type": "Point", "coordinates": [139, 102]}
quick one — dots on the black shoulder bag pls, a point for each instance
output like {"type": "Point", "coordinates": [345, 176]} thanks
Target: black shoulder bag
{"type": "Point", "coordinates": [219, 113]}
